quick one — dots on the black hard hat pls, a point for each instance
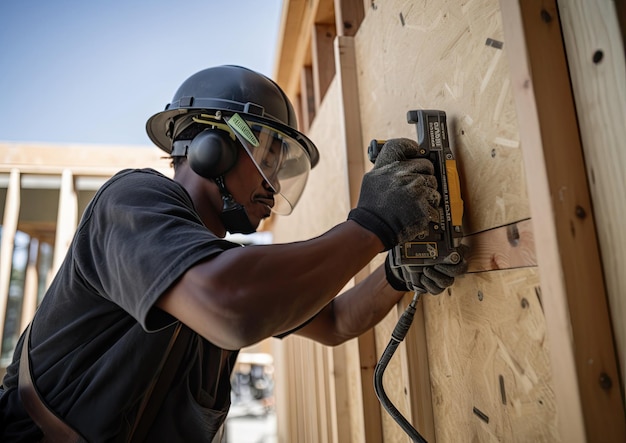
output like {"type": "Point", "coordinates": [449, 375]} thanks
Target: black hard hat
{"type": "Point", "coordinates": [229, 89]}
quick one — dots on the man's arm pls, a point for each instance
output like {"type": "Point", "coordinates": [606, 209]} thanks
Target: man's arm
{"type": "Point", "coordinates": [244, 295]}
{"type": "Point", "coordinates": [354, 311]}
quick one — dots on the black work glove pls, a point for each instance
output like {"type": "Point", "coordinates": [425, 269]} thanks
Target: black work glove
{"type": "Point", "coordinates": [434, 279]}
{"type": "Point", "coordinates": [399, 196]}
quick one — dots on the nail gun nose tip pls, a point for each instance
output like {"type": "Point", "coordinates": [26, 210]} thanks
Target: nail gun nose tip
{"type": "Point", "coordinates": [454, 258]}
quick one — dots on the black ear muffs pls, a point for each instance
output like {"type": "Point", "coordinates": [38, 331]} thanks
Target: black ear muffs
{"type": "Point", "coordinates": [212, 153]}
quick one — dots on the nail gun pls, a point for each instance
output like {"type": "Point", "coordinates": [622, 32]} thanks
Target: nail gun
{"type": "Point", "coordinates": [440, 241]}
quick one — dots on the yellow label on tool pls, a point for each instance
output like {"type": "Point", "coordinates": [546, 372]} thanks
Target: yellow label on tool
{"type": "Point", "coordinates": [240, 126]}
{"type": "Point", "coordinates": [454, 188]}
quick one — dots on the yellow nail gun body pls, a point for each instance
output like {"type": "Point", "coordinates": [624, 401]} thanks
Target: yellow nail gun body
{"type": "Point", "coordinates": [439, 242]}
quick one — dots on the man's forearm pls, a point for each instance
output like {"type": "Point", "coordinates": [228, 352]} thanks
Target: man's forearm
{"type": "Point", "coordinates": [354, 311]}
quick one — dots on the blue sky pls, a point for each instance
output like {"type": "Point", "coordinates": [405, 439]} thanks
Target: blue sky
{"type": "Point", "coordinates": [79, 71]}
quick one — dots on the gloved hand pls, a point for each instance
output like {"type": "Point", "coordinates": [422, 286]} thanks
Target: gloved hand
{"type": "Point", "coordinates": [434, 279]}
{"type": "Point", "coordinates": [399, 196]}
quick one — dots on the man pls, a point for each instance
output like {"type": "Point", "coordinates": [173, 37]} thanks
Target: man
{"type": "Point", "coordinates": [149, 255]}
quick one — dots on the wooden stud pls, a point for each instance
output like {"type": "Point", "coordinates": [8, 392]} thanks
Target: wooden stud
{"type": "Point", "coordinates": [307, 98]}
{"type": "Point", "coordinates": [417, 373]}
{"type": "Point", "coordinates": [31, 284]}
{"type": "Point", "coordinates": [9, 228]}
{"type": "Point", "coordinates": [298, 22]}
{"type": "Point", "coordinates": [567, 249]}
{"type": "Point", "coordinates": [348, 16]}
{"type": "Point", "coordinates": [595, 54]}
{"type": "Point", "coordinates": [67, 218]}
{"type": "Point", "coordinates": [323, 59]}
{"type": "Point", "coordinates": [594, 347]}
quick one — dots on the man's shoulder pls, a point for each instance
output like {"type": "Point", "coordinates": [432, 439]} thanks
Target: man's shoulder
{"type": "Point", "coordinates": [137, 188]}
{"type": "Point", "coordinates": [145, 180]}
{"type": "Point", "coordinates": [139, 174]}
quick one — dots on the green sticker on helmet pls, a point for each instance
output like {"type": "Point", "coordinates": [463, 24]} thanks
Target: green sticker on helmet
{"type": "Point", "coordinates": [240, 126]}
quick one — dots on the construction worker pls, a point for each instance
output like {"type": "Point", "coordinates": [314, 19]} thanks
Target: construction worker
{"type": "Point", "coordinates": [106, 351]}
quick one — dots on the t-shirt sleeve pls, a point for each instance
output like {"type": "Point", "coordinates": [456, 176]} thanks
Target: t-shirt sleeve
{"type": "Point", "coordinates": [137, 237]}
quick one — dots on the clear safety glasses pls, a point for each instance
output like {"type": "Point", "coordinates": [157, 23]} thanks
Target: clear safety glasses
{"type": "Point", "coordinates": [281, 160]}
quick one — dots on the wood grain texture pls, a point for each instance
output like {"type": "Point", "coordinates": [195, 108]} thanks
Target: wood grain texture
{"type": "Point", "coordinates": [489, 364]}
{"type": "Point", "coordinates": [491, 352]}
{"type": "Point", "coordinates": [413, 55]}
{"type": "Point", "coordinates": [427, 55]}
{"type": "Point", "coordinates": [595, 53]}
{"type": "Point", "coordinates": [560, 148]}
{"type": "Point", "coordinates": [506, 247]}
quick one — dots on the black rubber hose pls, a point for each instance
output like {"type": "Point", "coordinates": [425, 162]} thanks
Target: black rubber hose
{"type": "Point", "coordinates": [399, 332]}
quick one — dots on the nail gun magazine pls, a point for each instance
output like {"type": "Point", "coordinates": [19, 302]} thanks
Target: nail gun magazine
{"type": "Point", "coordinates": [440, 241]}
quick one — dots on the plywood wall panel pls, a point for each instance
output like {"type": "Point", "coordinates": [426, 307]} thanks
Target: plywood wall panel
{"type": "Point", "coordinates": [490, 369]}
{"type": "Point", "coordinates": [490, 361]}
{"type": "Point", "coordinates": [325, 201]}
{"type": "Point", "coordinates": [447, 55]}
{"type": "Point", "coordinates": [450, 55]}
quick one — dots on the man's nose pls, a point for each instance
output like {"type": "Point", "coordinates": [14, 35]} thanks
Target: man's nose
{"type": "Point", "coordinates": [268, 187]}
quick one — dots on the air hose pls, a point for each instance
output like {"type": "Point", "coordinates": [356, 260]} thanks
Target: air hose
{"type": "Point", "coordinates": [398, 334]}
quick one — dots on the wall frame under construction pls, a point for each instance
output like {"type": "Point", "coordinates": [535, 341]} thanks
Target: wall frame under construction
{"type": "Point", "coordinates": [528, 346]}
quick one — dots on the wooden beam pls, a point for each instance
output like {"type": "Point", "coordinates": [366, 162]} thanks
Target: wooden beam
{"type": "Point", "coordinates": [568, 404]}
{"type": "Point", "coordinates": [598, 69]}
{"type": "Point", "coordinates": [581, 343]}
{"type": "Point", "coordinates": [295, 44]}
{"type": "Point", "coordinates": [344, 50]}
{"type": "Point", "coordinates": [350, 124]}
{"type": "Point", "coordinates": [307, 98]}
{"type": "Point", "coordinates": [31, 284]}
{"type": "Point", "coordinates": [371, 407]}
{"type": "Point", "coordinates": [88, 160]}
{"type": "Point", "coordinates": [9, 228]}
{"type": "Point", "coordinates": [417, 373]}
{"type": "Point", "coordinates": [348, 16]}
{"type": "Point", "coordinates": [323, 59]}
{"type": "Point", "coordinates": [67, 218]}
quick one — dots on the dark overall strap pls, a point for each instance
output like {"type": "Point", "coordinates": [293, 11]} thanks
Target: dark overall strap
{"type": "Point", "coordinates": [54, 429]}
{"type": "Point", "coordinates": [160, 384]}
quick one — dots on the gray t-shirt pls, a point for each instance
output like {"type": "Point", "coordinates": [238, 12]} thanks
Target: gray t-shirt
{"type": "Point", "coordinates": [97, 337]}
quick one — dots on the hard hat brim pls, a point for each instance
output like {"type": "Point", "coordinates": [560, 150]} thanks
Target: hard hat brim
{"type": "Point", "coordinates": [157, 128]}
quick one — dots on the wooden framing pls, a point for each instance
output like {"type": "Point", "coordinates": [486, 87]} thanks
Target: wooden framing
{"type": "Point", "coordinates": [307, 98]}
{"type": "Point", "coordinates": [529, 345]}
{"type": "Point", "coordinates": [67, 164]}
{"type": "Point", "coordinates": [534, 308]}
{"type": "Point", "coordinates": [67, 218]}
{"type": "Point", "coordinates": [597, 68]}
{"type": "Point", "coordinates": [323, 59]}
{"type": "Point", "coordinates": [9, 228]}
{"type": "Point", "coordinates": [348, 16]}
{"type": "Point", "coordinates": [590, 351]}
